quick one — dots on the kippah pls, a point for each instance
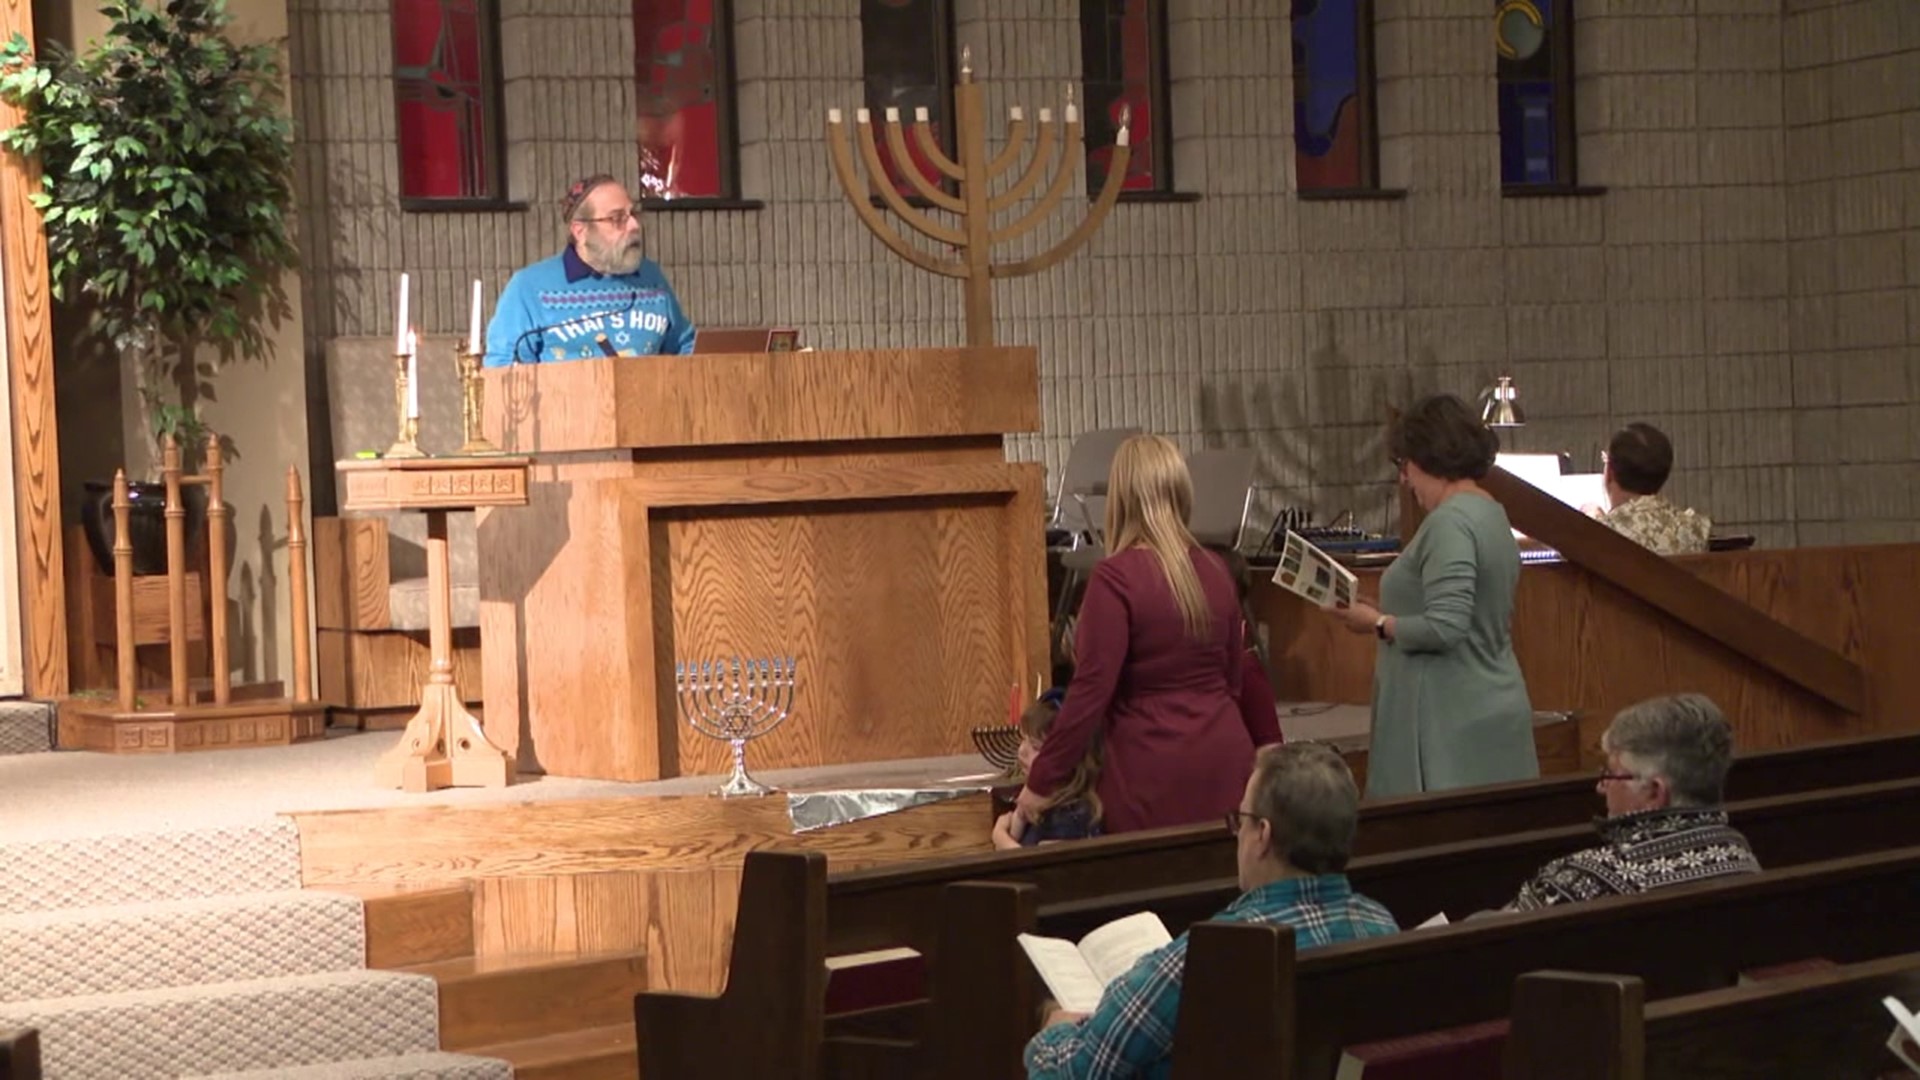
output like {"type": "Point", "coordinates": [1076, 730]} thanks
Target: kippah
{"type": "Point", "coordinates": [578, 191]}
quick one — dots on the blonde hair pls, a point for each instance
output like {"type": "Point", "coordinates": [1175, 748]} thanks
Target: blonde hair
{"type": "Point", "coordinates": [1035, 723]}
{"type": "Point", "coordinates": [1149, 498]}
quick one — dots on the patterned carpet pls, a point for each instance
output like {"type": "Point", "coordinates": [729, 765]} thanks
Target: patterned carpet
{"type": "Point", "coordinates": [26, 727]}
{"type": "Point", "coordinates": [195, 953]}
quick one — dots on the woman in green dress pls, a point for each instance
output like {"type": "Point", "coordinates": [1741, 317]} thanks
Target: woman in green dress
{"type": "Point", "coordinates": [1450, 706]}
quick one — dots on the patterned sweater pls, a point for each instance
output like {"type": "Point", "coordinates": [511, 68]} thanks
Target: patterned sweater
{"type": "Point", "coordinates": [1659, 526]}
{"type": "Point", "coordinates": [562, 309]}
{"type": "Point", "coordinates": [1653, 849]}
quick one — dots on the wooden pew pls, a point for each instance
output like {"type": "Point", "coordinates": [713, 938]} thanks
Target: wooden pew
{"type": "Point", "coordinates": [1576, 1026]}
{"type": "Point", "coordinates": [892, 906]}
{"type": "Point", "coordinates": [20, 1054]}
{"type": "Point", "coordinates": [1685, 940]}
{"type": "Point", "coordinates": [1460, 879]}
{"type": "Point", "coordinates": [884, 908]}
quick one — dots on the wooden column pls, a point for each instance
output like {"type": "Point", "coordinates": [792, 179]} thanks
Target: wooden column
{"type": "Point", "coordinates": [217, 574]}
{"type": "Point", "coordinates": [297, 586]}
{"type": "Point", "coordinates": [176, 514]}
{"type": "Point", "coordinates": [36, 446]}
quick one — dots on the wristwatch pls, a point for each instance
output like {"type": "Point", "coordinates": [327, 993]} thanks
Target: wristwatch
{"type": "Point", "coordinates": [1380, 628]}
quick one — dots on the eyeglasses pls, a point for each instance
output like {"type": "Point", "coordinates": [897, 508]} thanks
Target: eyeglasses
{"type": "Point", "coordinates": [618, 219]}
{"type": "Point", "coordinates": [1234, 817]}
{"type": "Point", "coordinates": [1607, 777]}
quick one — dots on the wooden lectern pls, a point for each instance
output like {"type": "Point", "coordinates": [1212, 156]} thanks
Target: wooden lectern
{"type": "Point", "coordinates": [852, 510]}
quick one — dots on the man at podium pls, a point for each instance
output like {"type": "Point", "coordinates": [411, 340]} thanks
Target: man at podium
{"type": "Point", "coordinates": [601, 296]}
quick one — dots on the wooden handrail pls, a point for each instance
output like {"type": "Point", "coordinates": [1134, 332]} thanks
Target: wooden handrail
{"type": "Point", "coordinates": [1714, 613]}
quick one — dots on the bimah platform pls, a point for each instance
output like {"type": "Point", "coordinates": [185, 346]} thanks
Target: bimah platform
{"type": "Point", "coordinates": [854, 511]}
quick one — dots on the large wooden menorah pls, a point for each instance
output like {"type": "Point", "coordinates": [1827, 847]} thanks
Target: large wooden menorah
{"type": "Point", "coordinates": [974, 237]}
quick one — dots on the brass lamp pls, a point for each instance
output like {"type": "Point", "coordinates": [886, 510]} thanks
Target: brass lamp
{"type": "Point", "coordinates": [1500, 405]}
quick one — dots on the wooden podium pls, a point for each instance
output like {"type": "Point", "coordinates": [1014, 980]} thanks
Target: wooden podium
{"type": "Point", "coordinates": [852, 510]}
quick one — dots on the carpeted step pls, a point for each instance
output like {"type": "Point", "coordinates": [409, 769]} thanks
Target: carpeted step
{"type": "Point", "coordinates": [26, 727]}
{"type": "Point", "coordinates": [270, 1024]}
{"type": "Point", "coordinates": [405, 1067]}
{"type": "Point", "coordinates": [107, 950]}
{"type": "Point", "coordinates": [131, 868]}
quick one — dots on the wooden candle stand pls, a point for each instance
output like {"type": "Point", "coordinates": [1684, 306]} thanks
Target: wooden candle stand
{"type": "Point", "coordinates": [253, 716]}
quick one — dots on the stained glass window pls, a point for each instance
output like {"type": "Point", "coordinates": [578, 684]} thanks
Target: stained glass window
{"type": "Point", "coordinates": [907, 53]}
{"type": "Point", "coordinates": [446, 85]}
{"type": "Point", "coordinates": [683, 74]}
{"type": "Point", "coordinates": [1534, 39]}
{"type": "Point", "coordinates": [1333, 134]}
{"type": "Point", "coordinates": [1123, 51]}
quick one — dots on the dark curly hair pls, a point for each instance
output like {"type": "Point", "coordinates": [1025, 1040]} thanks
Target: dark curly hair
{"type": "Point", "coordinates": [1442, 436]}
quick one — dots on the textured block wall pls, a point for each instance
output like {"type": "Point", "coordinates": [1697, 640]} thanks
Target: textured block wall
{"type": "Point", "coordinates": [1743, 281]}
{"type": "Point", "coordinates": [1852, 118]}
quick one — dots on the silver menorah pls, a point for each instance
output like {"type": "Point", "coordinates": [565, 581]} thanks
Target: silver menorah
{"type": "Point", "coordinates": [736, 700]}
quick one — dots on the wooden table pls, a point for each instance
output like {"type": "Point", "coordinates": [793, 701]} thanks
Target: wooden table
{"type": "Point", "coordinates": [444, 745]}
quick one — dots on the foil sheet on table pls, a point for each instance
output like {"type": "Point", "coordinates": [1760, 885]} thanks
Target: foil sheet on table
{"type": "Point", "coordinates": [811, 810]}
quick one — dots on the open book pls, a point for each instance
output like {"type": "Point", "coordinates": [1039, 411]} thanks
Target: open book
{"type": "Point", "coordinates": [1078, 974]}
{"type": "Point", "coordinates": [1313, 574]}
{"type": "Point", "coordinates": [1905, 1040]}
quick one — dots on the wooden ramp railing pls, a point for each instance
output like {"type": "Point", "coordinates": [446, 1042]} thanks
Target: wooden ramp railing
{"type": "Point", "coordinates": [1670, 588]}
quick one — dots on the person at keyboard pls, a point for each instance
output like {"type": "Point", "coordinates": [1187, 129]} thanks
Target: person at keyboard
{"type": "Point", "coordinates": [1639, 459]}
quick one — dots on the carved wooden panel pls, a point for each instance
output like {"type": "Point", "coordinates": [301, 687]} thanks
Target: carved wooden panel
{"type": "Point", "coordinates": [433, 483]}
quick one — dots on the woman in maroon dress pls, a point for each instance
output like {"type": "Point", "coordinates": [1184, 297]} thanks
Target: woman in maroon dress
{"type": "Point", "coordinates": [1158, 662]}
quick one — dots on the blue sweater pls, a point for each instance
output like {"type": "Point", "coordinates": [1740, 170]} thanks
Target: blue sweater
{"type": "Point", "coordinates": [562, 309]}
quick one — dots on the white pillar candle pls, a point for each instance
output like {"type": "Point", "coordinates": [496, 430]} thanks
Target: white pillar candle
{"type": "Point", "coordinates": [833, 116]}
{"type": "Point", "coordinates": [1073, 113]}
{"type": "Point", "coordinates": [893, 115]}
{"type": "Point", "coordinates": [1017, 113]}
{"type": "Point", "coordinates": [1046, 116]}
{"type": "Point", "coordinates": [413, 376]}
{"type": "Point", "coordinates": [920, 115]}
{"type": "Point", "coordinates": [473, 323]}
{"type": "Point", "coordinates": [862, 116]}
{"type": "Point", "coordinates": [400, 323]}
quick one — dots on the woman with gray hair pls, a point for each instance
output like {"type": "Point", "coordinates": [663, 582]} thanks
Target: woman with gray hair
{"type": "Point", "coordinates": [1664, 782]}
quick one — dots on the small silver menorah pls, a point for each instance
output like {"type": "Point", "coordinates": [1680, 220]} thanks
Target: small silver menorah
{"type": "Point", "coordinates": [736, 700]}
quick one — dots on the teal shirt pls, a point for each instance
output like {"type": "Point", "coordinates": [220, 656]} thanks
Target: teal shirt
{"type": "Point", "coordinates": [1450, 707]}
{"type": "Point", "coordinates": [1131, 1033]}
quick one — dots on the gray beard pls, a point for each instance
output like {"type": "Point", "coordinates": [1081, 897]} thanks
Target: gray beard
{"type": "Point", "coordinates": [611, 259]}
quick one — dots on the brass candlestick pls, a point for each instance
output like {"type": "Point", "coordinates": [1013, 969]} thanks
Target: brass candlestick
{"type": "Point", "coordinates": [407, 443]}
{"type": "Point", "coordinates": [472, 390]}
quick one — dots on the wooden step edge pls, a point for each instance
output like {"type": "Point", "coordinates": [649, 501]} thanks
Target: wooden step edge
{"type": "Point", "coordinates": [498, 1000]}
{"type": "Point", "coordinates": [460, 970]}
{"type": "Point", "coordinates": [601, 1053]}
{"type": "Point", "coordinates": [410, 927]}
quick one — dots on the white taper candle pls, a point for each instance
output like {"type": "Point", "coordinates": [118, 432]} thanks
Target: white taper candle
{"type": "Point", "coordinates": [473, 323]}
{"type": "Point", "coordinates": [400, 323]}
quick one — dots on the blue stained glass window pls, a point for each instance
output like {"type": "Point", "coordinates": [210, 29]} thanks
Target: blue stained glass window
{"type": "Point", "coordinates": [1534, 39]}
{"type": "Point", "coordinates": [1333, 95]}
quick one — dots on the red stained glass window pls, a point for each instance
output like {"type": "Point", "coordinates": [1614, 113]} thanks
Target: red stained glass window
{"type": "Point", "coordinates": [446, 95]}
{"type": "Point", "coordinates": [1123, 49]}
{"type": "Point", "coordinates": [683, 81]}
{"type": "Point", "coordinates": [907, 54]}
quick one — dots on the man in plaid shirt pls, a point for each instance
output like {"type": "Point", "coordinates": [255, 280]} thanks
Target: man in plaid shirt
{"type": "Point", "coordinates": [1295, 828]}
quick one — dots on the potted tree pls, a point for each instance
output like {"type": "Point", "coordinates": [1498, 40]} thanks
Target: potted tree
{"type": "Point", "coordinates": [166, 181]}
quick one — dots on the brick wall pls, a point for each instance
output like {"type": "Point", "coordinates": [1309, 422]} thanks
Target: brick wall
{"type": "Point", "coordinates": [1744, 281]}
